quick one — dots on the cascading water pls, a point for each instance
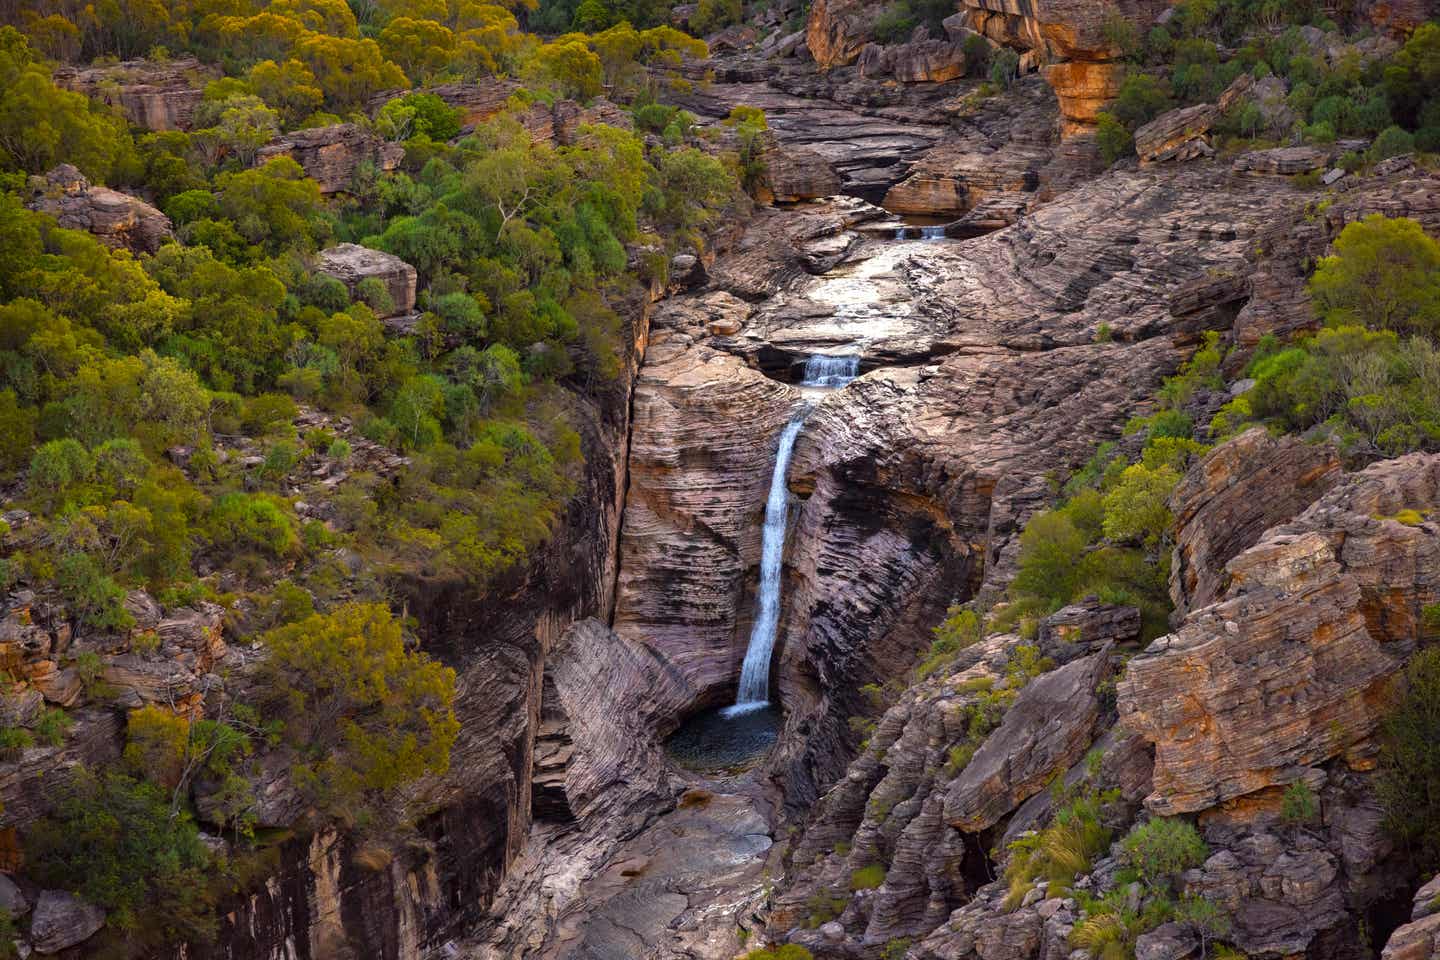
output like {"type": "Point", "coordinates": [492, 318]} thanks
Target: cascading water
{"type": "Point", "coordinates": [820, 371]}
{"type": "Point", "coordinates": [935, 232]}
{"type": "Point", "coordinates": [831, 371]}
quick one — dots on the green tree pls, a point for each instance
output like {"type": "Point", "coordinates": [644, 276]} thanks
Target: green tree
{"type": "Point", "coordinates": [1384, 273]}
{"type": "Point", "coordinates": [572, 67]}
{"type": "Point", "coordinates": [1408, 780]}
{"type": "Point", "coordinates": [42, 125]}
{"type": "Point", "coordinates": [119, 844]}
{"type": "Point", "coordinates": [1112, 138]}
{"type": "Point", "coordinates": [364, 714]}
{"type": "Point", "coordinates": [1161, 848]}
{"type": "Point", "coordinates": [1137, 507]}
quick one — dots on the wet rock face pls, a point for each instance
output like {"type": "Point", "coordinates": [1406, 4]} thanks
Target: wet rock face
{"type": "Point", "coordinates": [116, 219]}
{"type": "Point", "coordinates": [702, 451]}
{"type": "Point", "coordinates": [1295, 663]}
{"type": "Point", "coordinates": [1231, 497]}
{"type": "Point", "coordinates": [331, 155]}
{"type": "Point", "coordinates": [153, 95]}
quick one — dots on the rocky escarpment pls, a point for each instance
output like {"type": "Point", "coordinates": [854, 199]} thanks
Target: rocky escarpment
{"type": "Point", "coordinates": [929, 816]}
{"type": "Point", "coordinates": [323, 901]}
{"type": "Point", "coordinates": [116, 218]}
{"type": "Point", "coordinates": [156, 95]}
{"type": "Point", "coordinates": [1344, 579]}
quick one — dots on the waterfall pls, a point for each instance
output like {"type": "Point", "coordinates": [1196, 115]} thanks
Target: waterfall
{"type": "Point", "coordinates": [755, 674]}
{"type": "Point", "coordinates": [828, 371]}
{"type": "Point", "coordinates": [933, 233]}
{"type": "Point", "coordinates": [754, 692]}
{"type": "Point", "coordinates": [900, 233]}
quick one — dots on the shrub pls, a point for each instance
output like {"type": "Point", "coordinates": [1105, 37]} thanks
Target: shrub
{"type": "Point", "coordinates": [364, 714]}
{"type": "Point", "coordinates": [58, 465]}
{"type": "Point", "coordinates": [1004, 67]}
{"type": "Point", "coordinates": [242, 521]}
{"type": "Point", "coordinates": [1058, 853]}
{"type": "Point", "coordinates": [94, 598]}
{"type": "Point", "coordinates": [1112, 138]}
{"type": "Point", "coordinates": [118, 843]}
{"type": "Point", "coordinates": [1385, 273]}
{"type": "Point", "coordinates": [1408, 781]}
{"type": "Point", "coordinates": [789, 951]}
{"type": "Point", "coordinates": [1138, 507]}
{"type": "Point", "coordinates": [1299, 804]}
{"type": "Point", "coordinates": [1392, 142]}
{"type": "Point", "coordinates": [1161, 848]}
{"type": "Point", "coordinates": [53, 726]}
{"type": "Point", "coordinates": [867, 878]}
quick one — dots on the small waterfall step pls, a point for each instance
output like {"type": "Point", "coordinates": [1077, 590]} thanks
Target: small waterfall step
{"type": "Point", "coordinates": [824, 370]}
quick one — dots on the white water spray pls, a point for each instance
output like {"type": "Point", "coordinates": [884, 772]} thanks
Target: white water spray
{"type": "Point", "coordinates": [754, 692]}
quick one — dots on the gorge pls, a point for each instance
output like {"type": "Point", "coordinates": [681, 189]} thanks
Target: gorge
{"type": "Point", "coordinates": [890, 482]}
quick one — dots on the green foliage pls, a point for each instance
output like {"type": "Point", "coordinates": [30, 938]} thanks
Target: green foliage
{"type": "Point", "coordinates": [789, 951]}
{"type": "Point", "coordinates": [1161, 848]}
{"type": "Point", "coordinates": [364, 714]}
{"type": "Point", "coordinates": [867, 878]}
{"type": "Point", "coordinates": [244, 521]}
{"type": "Point", "coordinates": [118, 843]}
{"type": "Point", "coordinates": [94, 598]}
{"type": "Point", "coordinates": [42, 125]}
{"type": "Point", "coordinates": [1112, 137]}
{"type": "Point", "coordinates": [1408, 781]}
{"type": "Point", "coordinates": [713, 15]}
{"type": "Point", "coordinates": [1385, 273]}
{"type": "Point", "coordinates": [1058, 853]}
{"type": "Point", "coordinates": [1299, 805]}
{"type": "Point", "coordinates": [960, 628]}
{"type": "Point", "coordinates": [1142, 98]}
{"type": "Point", "coordinates": [1392, 142]}
{"type": "Point", "coordinates": [53, 726]}
{"type": "Point", "coordinates": [1004, 67]}
{"type": "Point", "coordinates": [1137, 508]}
{"type": "Point", "coordinates": [1377, 393]}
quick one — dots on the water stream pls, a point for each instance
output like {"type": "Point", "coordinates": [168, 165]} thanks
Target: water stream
{"type": "Point", "coordinates": [821, 371]}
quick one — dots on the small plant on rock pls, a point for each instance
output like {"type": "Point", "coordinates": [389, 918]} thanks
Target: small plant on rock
{"type": "Point", "coordinates": [1300, 805]}
{"type": "Point", "coordinates": [1161, 848]}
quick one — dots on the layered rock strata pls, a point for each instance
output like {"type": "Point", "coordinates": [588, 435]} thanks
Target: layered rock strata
{"type": "Point", "coordinates": [1298, 659]}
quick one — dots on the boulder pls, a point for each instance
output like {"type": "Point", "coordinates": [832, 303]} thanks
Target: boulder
{"type": "Point", "coordinates": [1227, 500]}
{"type": "Point", "coordinates": [1420, 938]}
{"type": "Point", "coordinates": [1169, 941]}
{"type": "Point", "coordinates": [116, 219]}
{"type": "Point", "coordinates": [920, 61]}
{"type": "Point", "coordinates": [12, 900]}
{"type": "Point", "coordinates": [1048, 729]}
{"type": "Point", "coordinates": [1177, 134]}
{"type": "Point", "coordinates": [1282, 161]}
{"type": "Point", "coordinates": [351, 263]}
{"type": "Point", "coordinates": [331, 155]}
{"type": "Point", "coordinates": [151, 94]}
{"type": "Point", "coordinates": [62, 920]}
{"type": "Point", "coordinates": [794, 173]}
{"type": "Point", "coordinates": [1077, 629]}
{"type": "Point", "coordinates": [1297, 661]}
{"type": "Point", "coordinates": [838, 30]}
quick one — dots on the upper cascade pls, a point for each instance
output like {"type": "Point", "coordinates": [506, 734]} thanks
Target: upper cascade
{"type": "Point", "coordinates": [822, 370]}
